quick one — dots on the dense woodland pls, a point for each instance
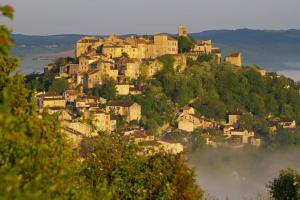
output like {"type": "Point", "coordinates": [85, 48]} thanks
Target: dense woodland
{"type": "Point", "coordinates": [37, 161]}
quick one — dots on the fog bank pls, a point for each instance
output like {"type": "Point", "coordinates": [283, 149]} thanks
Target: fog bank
{"type": "Point", "coordinates": [240, 174]}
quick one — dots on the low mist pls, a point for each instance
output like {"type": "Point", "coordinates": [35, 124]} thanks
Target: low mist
{"type": "Point", "coordinates": [236, 174]}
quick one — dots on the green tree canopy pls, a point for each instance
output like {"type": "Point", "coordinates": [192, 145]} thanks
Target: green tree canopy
{"type": "Point", "coordinates": [185, 44]}
{"type": "Point", "coordinates": [59, 85]}
{"type": "Point", "coordinates": [286, 186]}
{"type": "Point", "coordinates": [107, 90]}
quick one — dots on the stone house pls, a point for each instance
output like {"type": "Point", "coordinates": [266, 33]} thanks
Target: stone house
{"type": "Point", "coordinates": [234, 59]}
{"type": "Point", "coordinates": [165, 44]}
{"type": "Point", "coordinates": [233, 118]}
{"type": "Point", "coordinates": [145, 48]}
{"type": "Point", "coordinates": [50, 100]}
{"type": "Point", "coordinates": [288, 124]}
{"type": "Point", "coordinates": [84, 103]}
{"type": "Point", "coordinates": [84, 62]}
{"type": "Point", "coordinates": [129, 67]}
{"type": "Point", "coordinates": [101, 120]}
{"type": "Point", "coordinates": [99, 70]}
{"type": "Point", "coordinates": [245, 135]}
{"type": "Point", "coordinates": [132, 111]}
{"type": "Point", "coordinates": [123, 89]}
{"type": "Point", "coordinates": [86, 43]}
{"type": "Point", "coordinates": [188, 121]}
{"type": "Point", "coordinates": [53, 103]}
{"type": "Point", "coordinates": [94, 78]}
{"type": "Point", "coordinates": [215, 51]}
{"type": "Point", "coordinates": [112, 51]}
{"type": "Point", "coordinates": [71, 95]}
{"type": "Point", "coordinates": [202, 47]}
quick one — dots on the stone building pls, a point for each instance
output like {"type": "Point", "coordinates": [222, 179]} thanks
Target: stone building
{"type": "Point", "coordinates": [233, 118]}
{"type": "Point", "coordinates": [112, 51]}
{"type": "Point", "coordinates": [132, 111]}
{"type": "Point", "coordinates": [288, 124]}
{"type": "Point", "coordinates": [234, 59]}
{"type": "Point", "coordinates": [123, 89]}
{"type": "Point", "coordinates": [84, 62]}
{"type": "Point", "coordinates": [189, 122]}
{"type": "Point", "coordinates": [243, 137]}
{"type": "Point", "coordinates": [202, 47]}
{"type": "Point", "coordinates": [71, 95]}
{"type": "Point", "coordinates": [215, 51]}
{"type": "Point", "coordinates": [101, 120]}
{"type": "Point", "coordinates": [129, 67]}
{"type": "Point", "coordinates": [86, 43]}
{"type": "Point", "coordinates": [182, 32]}
{"type": "Point", "coordinates": [165, 44]}
{"type": "Point", "coordinates": [50, 100]}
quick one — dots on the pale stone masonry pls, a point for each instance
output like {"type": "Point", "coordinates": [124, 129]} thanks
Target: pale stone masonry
{"type": "Point", "coordinates": [50, 100]}
{"type": "Point", "coordinates": [131, 111]}
{"type": "Point", "coordinates": [235, 59]}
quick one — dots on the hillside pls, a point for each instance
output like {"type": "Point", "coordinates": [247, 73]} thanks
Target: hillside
{"type": "Point", "coordinates": [275, 50]}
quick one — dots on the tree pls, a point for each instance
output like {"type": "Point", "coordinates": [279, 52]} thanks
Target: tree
{"type": "Point", "coordinates": [36, 162]}
{"type": "Point", "coordinates": [59, 85]}
{"type": "Point", "coordinates": [183, 94]}
{"type": "Point", "coordinates": [185, 44]}
{"type": "Point", "coordinates": [205, 58]}
{"type": "Point", "coordinates": [167, 61]}
{"type": "Point", "coordinates": [134, 176]}
{"type": "Point", "coordinates": [286, 186]}
{"type": "Point", "coordinates": [246, 122]}
{"type": "Point", "coordinates": [108, 89]}
{"type": "Point", "coordinates": [287, 112]}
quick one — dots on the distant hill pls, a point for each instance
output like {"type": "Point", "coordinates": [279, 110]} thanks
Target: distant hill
{"type": "Point", "coordinates": [275, 50]}
{"type": "Point", "coordinates": [26, 45]}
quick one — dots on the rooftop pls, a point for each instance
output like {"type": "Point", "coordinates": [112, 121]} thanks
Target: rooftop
{"type": "Point", "coordinates": [122, 103]}
{"type": "Point", "coordinates": [237, 54]}
{"type": "Point", "coordinates": [216, 50]}
{"type": "Point", "coordinates": [48, 94]}
{"type": "Point", "coordinates": [72, 92]}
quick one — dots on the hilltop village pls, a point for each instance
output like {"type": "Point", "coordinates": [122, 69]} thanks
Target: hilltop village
{"type": "Point", "coordinates": [84, 110]}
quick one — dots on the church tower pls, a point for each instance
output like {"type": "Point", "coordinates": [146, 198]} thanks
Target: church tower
{"type": "Point", "coordinates": [182, 31]}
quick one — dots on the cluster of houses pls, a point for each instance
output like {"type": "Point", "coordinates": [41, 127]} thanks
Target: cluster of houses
{"type": "Point", "coordinates": [233, 134]}
{"type": "Point", "coordinates": [125, 60]}
{"type": "Point", "coordinates": [189, 122]}
{"type": "Point", "coordinates": [86, 118]}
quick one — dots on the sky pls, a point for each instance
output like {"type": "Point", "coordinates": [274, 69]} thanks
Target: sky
{"type": "Point", "coordinates": [99, 17]}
